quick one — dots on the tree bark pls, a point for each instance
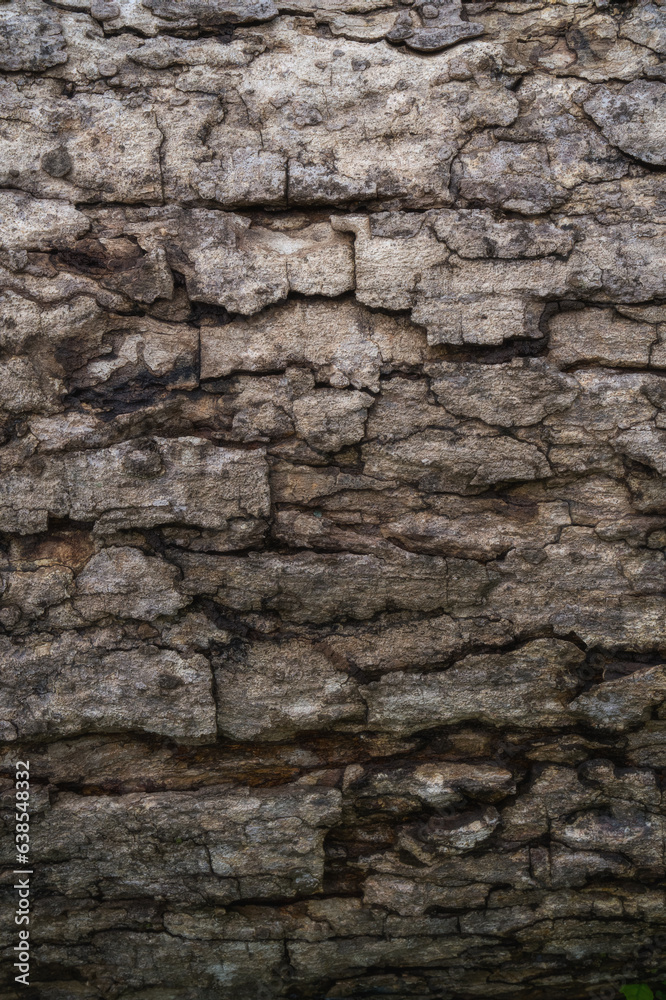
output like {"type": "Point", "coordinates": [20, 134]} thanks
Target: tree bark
{"type": "Point", "coordinates": [332, 498]}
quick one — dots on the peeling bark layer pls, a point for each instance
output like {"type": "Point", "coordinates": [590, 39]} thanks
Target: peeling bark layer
{"type": "Point", "coordinates": [332, 497]}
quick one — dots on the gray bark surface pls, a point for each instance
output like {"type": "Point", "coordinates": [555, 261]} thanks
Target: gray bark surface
{"type": "Point", "coordinates": [333, 497]}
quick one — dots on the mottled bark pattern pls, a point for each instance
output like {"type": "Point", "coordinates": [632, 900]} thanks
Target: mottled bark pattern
{"type": "Point", "coordinates": [332, 496]}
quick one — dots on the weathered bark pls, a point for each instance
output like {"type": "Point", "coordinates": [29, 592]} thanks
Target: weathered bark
{"type": "Point", "coordinates": [332, 497]}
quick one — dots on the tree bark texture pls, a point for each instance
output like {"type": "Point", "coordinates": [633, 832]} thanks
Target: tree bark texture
{"type": "Point", "coordinates": [332, 497]}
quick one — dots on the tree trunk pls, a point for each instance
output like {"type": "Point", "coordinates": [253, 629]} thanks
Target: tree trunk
{"type": "Point", "coordinates": [332, 499]}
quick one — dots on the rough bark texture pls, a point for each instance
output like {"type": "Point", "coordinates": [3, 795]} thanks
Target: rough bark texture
{"type": "Point", "coordinates": [332, 494]}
